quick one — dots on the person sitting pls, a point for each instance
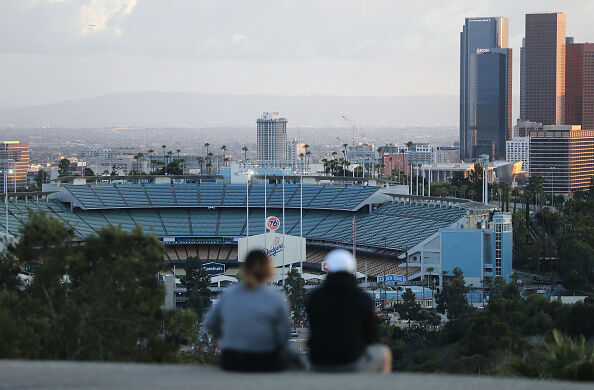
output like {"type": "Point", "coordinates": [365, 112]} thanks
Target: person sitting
{"type": "Point", "coordinates": [251, 320]}
{"type": "Point", "coordinates": [343, 329]}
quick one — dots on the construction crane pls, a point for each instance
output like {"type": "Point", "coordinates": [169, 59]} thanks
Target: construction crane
{"type": "Point", "coordinates": [354, 128]}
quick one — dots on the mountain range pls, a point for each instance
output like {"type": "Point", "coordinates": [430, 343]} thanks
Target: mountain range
{"type": "Point", "coordinates": [167, 109]}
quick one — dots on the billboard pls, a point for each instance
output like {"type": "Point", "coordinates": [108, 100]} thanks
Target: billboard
{"type": "Point", "coordinates": [276, 245]}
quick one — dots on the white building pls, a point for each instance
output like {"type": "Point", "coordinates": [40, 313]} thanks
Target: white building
{"type": "Point", "coordinates": [518, 149]}
{"type": "Point", "coordinates": [447, 154]}
{"type": "Point", "coordinates": [272, 138]}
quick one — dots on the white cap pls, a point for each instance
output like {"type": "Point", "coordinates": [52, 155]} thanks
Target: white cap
{"type": "Point", "coordinates": [340, 260]}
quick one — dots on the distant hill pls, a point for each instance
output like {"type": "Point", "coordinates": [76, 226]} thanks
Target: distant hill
{"type": "Point", "coordinates": [141, 109]}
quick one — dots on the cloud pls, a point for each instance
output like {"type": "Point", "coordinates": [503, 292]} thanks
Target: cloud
{"type": "Point", "coordinates": [237, 37]}
{"type": "Point", "coordinates": [105, 14]}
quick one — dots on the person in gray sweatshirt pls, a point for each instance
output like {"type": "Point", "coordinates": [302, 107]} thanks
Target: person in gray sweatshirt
{"type": "Point", "coordinates": [251, 320]}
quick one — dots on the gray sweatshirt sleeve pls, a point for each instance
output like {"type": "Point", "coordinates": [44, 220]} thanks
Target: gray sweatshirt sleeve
{"type": "Point", "coordinates": [213, 320]}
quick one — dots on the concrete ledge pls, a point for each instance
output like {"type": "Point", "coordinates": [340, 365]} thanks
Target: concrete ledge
{"type": "Point", "coordinates": [68, 375]}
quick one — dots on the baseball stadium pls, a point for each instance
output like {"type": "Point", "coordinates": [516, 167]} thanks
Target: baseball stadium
{"type": "Point", "coordinates": [392, 233]}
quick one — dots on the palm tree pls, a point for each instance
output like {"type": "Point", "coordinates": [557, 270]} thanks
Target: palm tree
{"type": "Point", "coordinates": [245, 150]}
{"type": "Point", "coordinates": [209, 163]}
{"type": "Point", "coordinates": [224, 148]}
{"type": "Point", "coordinates": [306, 147]}
{"type": "Point", "coordinates": [150, 152]}
{"type": "Point", "coordinates": [177, 150]}
{"type": "Point", "coordinates": [200, 161]}
{"type": "Point", "coordinates": [207, 145]}
{"type": "Point", "coordinates": [163, 147]}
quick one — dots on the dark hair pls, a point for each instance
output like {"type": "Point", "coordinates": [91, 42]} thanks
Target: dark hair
{"type": "Point", "coordinates": [257, 267]}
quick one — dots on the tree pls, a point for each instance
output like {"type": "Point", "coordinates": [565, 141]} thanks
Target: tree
{"type": "Point", "coordinates": [452, 297]}
{"type": "Point", "coordinates": [295, 290]}
{"type": "Point", "coordinates": [174, 168]}
{"type": "Point", "coordinates": [63, 167]}
{"type": "Point", "coordinates": [99, 300]}
{"type": "Point", "coordinates": [88, 172]}
{"type": "Point", "coordinates": [42, 177]}
{"type": "Point", "coordinates": [196, 282]}
{"type": "Point", "coordinates": [245, 150]}
{"type": "Point", "coordinates": [200, 161]}
{"type": "Point", "coordinates": [150, 152]}
{"type": "Point", "coordinates": [224, 149]}
{"type": "Point", "coordinates": [409, 309]}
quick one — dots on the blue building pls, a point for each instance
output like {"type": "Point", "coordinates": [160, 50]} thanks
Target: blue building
{"type": "Point", "coordinates": [491, 102]}
{"type": "Point", "coordinates": [482, 254]}
{"type": "Point", "coordinates": [477, 33]}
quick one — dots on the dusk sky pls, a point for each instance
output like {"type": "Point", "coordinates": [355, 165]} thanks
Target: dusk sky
{"type": "Point", "coordinates": [48, 52]}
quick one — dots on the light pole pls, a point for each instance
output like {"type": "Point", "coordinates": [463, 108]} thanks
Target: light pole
{"type": "Point", "coordinates": [6, 201]}
{"type": "Point", "coordinates": [552, 187]}
{"type": "Point", "coordinates": [247, 211]}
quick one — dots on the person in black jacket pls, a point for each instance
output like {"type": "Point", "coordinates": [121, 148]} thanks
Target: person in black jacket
{"type": "Point", "coordinates": [343, 330]}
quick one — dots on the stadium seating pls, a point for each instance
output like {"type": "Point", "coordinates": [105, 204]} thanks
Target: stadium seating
{"type": "Point", "coordinates": [334, 197]}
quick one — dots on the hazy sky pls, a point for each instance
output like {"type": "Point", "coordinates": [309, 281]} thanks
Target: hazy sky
{"type": "Point", "coordinates": [48, 52]}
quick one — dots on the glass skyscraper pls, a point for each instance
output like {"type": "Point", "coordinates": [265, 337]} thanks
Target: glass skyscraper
{"type": "Point", "coordinates": [477, 34]}
{"type": "Point", "coordinates": [491, 95]}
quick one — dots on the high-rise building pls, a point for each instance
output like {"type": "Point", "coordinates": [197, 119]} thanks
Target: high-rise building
{"type": "Point", "coordinates": [421, 153]}
{"type": "Point", "coordinates": [491, 97]}
{"type": "Point", "coordinates": [518, 149]}
{"type": "Point", "coordinates": [447, 154]}
{"type": "Point", "coordinates": [272, 138]}
{"type": "Point", "coordinates": [563, 156]}
{"type": "Point", "coordinates": [579, 85]}
{"type": "Point", "coordinates": [522, 79]}
{"type": "Point", "coordinates": [14, 158]}
{"type": "Point", "coordinates": [477, 33]}
{"type": "Point", "coordinates": [544, 63]}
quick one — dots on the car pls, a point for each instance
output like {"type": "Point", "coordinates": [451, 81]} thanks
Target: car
{"type": "Point", "coordinates": [294, 333]}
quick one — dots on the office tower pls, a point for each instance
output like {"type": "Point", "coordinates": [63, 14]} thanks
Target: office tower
{"type": "Point", "coordinates": [14, 158]}
{"type": "Point", "coordinates": [563, 156]}
{"type": "Point", "coordinates": [518, 149]}
{"type": "Point", "coordinates": [447, 154]}
{"type": "Point", "coordinates": [491, 97]}
{"type": "Point", "coordinates": [272, 138]}
{"type": "Point", "coordinates": [421, 153]}
{"type": "Point", "coordinates": [579, 85]}
{"type": "Point", "coordinates": [477, 33]}
{"type": "Point", "coordinates": [522, 80]}
{"type": "Point", "coordinates": [545, 68]}
{"type": "Point", "coordinates": [523, 128]}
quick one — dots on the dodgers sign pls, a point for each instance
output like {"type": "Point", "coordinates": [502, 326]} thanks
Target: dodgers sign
{"type": "Point", "coordinates": [391, 278]}
{"type": "Point", "coordinates": [272, 223]}
{"type": "Point", "coordinates": [214, 268]}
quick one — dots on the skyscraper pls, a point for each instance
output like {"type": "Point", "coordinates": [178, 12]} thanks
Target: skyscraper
{"type": "Point", "coordinates": [522, 79]}
{"type": "Point", "coordinates": [491, 97]}
{"type": "Point", "coordinates": [14, 157]}
{"type": "Point", "coordinates": [545, 68]}
{"type": "Point", "coordinates": [579, 85]}
{"type": "Point", "coordinates": [477, 33]}
{"type": "Point", "coordinates": [272, 138]}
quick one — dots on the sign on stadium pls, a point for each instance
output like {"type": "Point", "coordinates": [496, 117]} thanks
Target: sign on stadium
{"type": "Point", "coordinates": [390, 278]}
{"type": "Point", "coordinates": [276, 245]}
{"type": "Point", "coordinates": [214, 268]}
{"type": "Point", "coordinates": [272, 223]}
